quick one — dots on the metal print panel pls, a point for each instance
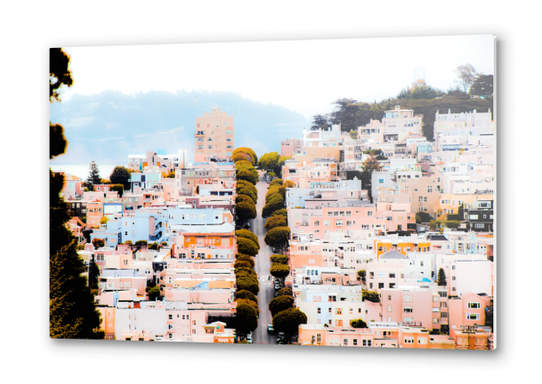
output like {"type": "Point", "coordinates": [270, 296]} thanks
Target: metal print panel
{"type": "Point", "coordinates": [310, 193]}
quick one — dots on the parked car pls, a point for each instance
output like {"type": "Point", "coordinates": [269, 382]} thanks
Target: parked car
{"type": "Point", "coordinates": [275, 250]}
{"type": "Point", "coordinates": [249, 338]}
{"type": "Point", "coordinates": [270, 328]}
{"type": "Point", "coordinates": [280, 338]}
{"type": "Point", "coordinates": [246, 226]}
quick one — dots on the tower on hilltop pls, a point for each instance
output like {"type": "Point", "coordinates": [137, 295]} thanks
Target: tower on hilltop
{"type": "Point", "coordinates": [214, 136]}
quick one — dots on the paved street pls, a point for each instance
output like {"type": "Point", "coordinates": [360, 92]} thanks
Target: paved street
{"type": "Point", "coordinates": [262, 266]}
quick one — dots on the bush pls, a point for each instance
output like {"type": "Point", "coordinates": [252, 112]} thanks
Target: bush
{"type": "Point", "coordinates": [358, 323]}
{"type": "Point", "coordinates": [247, 175]}
{"type": "Point", "coordinates": [280, 303]}
{"type": "Point", "coordinates": [247, 295]}
{"type": "Point", "coordinates": [285, 292]}
{"type": "Point", "coordinates": [246, 246]}
{"type": "Point", "coordinates": [248, 235]}
{"type": "Point", "coordinates": [154, 293]}
{"type": "Point", "coordinates": [279, 270]}
{"type": "Point", "coordinates": [246, 283]}
{"type": "Point", "coordinates": [281, 212]}
{"type": "Point", "coordinates": [275, 221]}
{"type": "Point", "coordinates": [372, 296]}
{"type": "Point", "coordinates": [281, 259]}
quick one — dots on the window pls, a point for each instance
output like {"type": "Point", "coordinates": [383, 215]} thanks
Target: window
{"type": "Point", "coordinates": [345, 342]}
{"type": "Point", "coordinates": [473, 305]}
{"type": "Point", "coordinates": [473, 316]}
{"type": "Point", "coordinates": [407, 299]}
{"type": "Point", "coordinates": [407, 309]}
{"type": "Point", "coordinates": [392, 275]}
{"type": "Point", "coordinates": [339, 311]}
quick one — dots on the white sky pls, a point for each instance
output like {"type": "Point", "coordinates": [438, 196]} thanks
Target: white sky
{"type": "Point", "coordinates": [304, 76]}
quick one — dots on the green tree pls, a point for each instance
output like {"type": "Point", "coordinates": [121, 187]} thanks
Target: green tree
{"type": "Point", "coordinates": [467, 75]}
{"type": "Point", "coordinates": [244, 199]}
{"type": "Point", "coordinates": [117, 187]}
{"type": "Point", "coordinates": [284, 291]}
{"type": "Point", "coordinates": [275, 221]}
{"type": "Point", "coordinates": [281, 259]}
{"type": "Point", "coordinates": [370, 165]}
{"type": "Point", "coordinates": [247, 246]}
{"type": "Point", "coordinates": [122, 175]}
{"type": "Point", "coordinates": [242, 264]}
{"type": "Point", "coordinates": [423, 217]}
{"type": "Point", "coordinates": [247, 192]}
{"type": "Point", "coordinates": [358, 323]}
{"type": "Point", "coordinates": [247, 151]}
{"type": "Point", "coordinates": [248, 235]}
{"type": "Point", "coordinates": [154, 293]}
{"type": "Point", "coordinates": [362, 274]}
{"type": "Point", "coordinates": [281, 212]}
{"type": "Point", "coordinates": [72, 308]}
{"type": "Point", "coordinates": [482, 86]}
{"type": "Point", "coordinates": [253, 304]}
{"type": "Point", "coordinates": [320, 122]}
{"type": "Point", "coordinates": [276, 183]}
{"type": "Point", "coordinates": [441, 278]}
{"type": "Point", "coordinates": [93, 175]}
{"type": "Point", "coordinates": [280, 303]}
{"type": "Point", "coordinates": [372, 296]}
{"type": "Point", "coordinates": [247, 283]}
{"type": "Point", "coordinates": [274, 204]}
{"type": "Point", "coordinates": [288, 321]}
{"type": "Point", "coordinates": [353, 134]}
{"type": "Point", "coordinates": [269, 161]}
{"type": "Point", "coordinates": [247, 295]}
{"type": "Point", "coordinates": [98, 243]}
{"type": "Point", "coordinates": [279, 270]}
{"type": "Point", "coordinates": [246, 318]}
{"type": "Point", "coordinates": [247, 176]}
{"type": "Point", "coordinates": [278, 237]}
{"type": "Point", "coordinates": [245, 211]}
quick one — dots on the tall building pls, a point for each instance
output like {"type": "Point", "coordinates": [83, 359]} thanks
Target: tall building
{"type": "Point", "coordinates": [214, 136]}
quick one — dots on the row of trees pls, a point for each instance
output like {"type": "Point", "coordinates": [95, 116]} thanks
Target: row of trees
{"type": "Point", "coordinates": [272, 162]}
{"type": "Point", "coordinates": [248, 245]}
{"type": "Point", "coordinates": [119, 178]}
{"type": "Point", "coordinates": [72, 308]}
{"type": "Point", "coordinates": [423, 99]}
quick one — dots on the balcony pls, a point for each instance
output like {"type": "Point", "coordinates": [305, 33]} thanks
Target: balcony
{"type": "Point", "coordinates": [199, 134]}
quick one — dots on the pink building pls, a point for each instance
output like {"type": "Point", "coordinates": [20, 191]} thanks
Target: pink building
{"type": "Point", "coordinates": [214, 137]}
{"type": "Point", "coordinates": [291, 147]}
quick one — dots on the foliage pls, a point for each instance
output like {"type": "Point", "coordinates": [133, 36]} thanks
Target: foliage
{"type": "Point", "coordinates": [441, 278]}
{"type": "Point", "coordinates": [281, 259]}
{"type": "Point", "coordinates": [467, 75]}
{"type": "Point", "coordinates": [247, 295]}
{"type": "Point", "coordinates": [249, 235]}
{"type": "Point", "coordinates": [104, 220]}
{"type": "Point", "coordinates": [154, 293]}
{"type": "Point", "coordinates": [121, 175]}
{"type": "Point", "coordinates": [278, 237]}
{"type": "Point", "coordinates": [242, 264]}
{"type": "Point", "coordinates": [269, 161]}
{"type": "Point", "coordinates": [482, 86]}
{"type": "Point", "coordinates": [276, 183]}
{"type": "Point", "coordinates": [245, 184]}
{"type": "Point", "coordinates": [362, 274]}
{"type": "Point", "coordinates": [247, 246]}
{"type": "Point", "coordinates": [141, 243]}
{"type": "Point", "coordinates": [246, 318]}
{"type": "Point", "coordinates": [247, 283]}
{"type": "Point", "coordinates": [253, 304]}
{"type": "Point", "coordinates": [353, 134]}
{"type": "Point", "coordinates": [370, 165]}
{"type": "Point", "coordinates": [423, 217]}
{"type": "Point", "coordinates": [244, 199]}
{"type": "Point", "coordinates": [372, 296]}
{"type": "Point", "coordinates": [284, 291]}
{"type": "Point", "coordinates": [247, 151]}
{"type": "Point", "coordinates": [320, 122]}
{"type": "Point", "coordinates": [280, 303]}
{"type": "Point", "coordinates": [281, 212]}
{"type": "Point", "coordinates": [247, 192]}
{"type": "Point", "coordinates": [279, 270]}
{"type": "Point", "coordinates": [72, 308]}
{"type": "Point", "coordinates": [98, 243]}
{"type": "Point", "coordinates": [275, 203]}
{"type": "Point", "coordinates": [288, 321]}
{"type": "Point", "coordinates": [117, 187]}
{"type": "Point", "coordinates": [421, 92]}
{"type": "Point", "coordinates": [93, 175]}
{"type": "Point", "coordinates": [245, 211]}
{"type": "Point", "coordinates": [288, 184]}
{"type": "Point", "coordinates": [246, 258]}
{"type": "Point", "coordinates": [358, 323]}
{"type": "Point", "coordinates": [275, 221]}
{"type": "Point", "coordinates": [153, 246]}
{"type": "Point", "coordinates": [434, 224]}
{"type": "Point", "coordinates": [247, 175]}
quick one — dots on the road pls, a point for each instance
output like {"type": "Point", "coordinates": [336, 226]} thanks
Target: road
{"type": "Point", "coordinates": [261, 267]}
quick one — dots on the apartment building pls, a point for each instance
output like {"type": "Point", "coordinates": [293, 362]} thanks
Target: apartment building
{"type": "Point", "coordinates": [214, 137]}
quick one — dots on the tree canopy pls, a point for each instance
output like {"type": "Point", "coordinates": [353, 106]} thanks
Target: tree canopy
{"type": "Point", "coordinates": [358, 323]}
{"type": "Point", "coordinates": [278, 237]}
{"type": "Point", "coordinates": [93, 177]}
{"type": "Point", "coordinates": [247, 246]}
{"type": "Point", "coordinates": [482, 86]}
{"type": "Point", "coordinates": [279, 270]}
{"type": "Point", "coordinates": [245, 211]}
{"type": "Point", "coordinates": [246, 318]}
{"type": "Point", "coordinates": [121, 175]}
{"type": "Point", "coordinates": [280, 303]}
{"type": "Point", "coordinates": [275, 221]}
{"type": "Point", "coordinates": [288, 321]}
{"type": "Point", "coordinates": [248, 235]}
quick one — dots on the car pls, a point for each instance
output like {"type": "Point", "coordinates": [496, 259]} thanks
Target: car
{"type": "Point", "coordinates": [246, 226]}
{"type": "Point", "coordinates": [270, 328]}
{"type": "Point", "coordinates": [275, 250]}
{"type": "Point", "coordinates": [249, 338]}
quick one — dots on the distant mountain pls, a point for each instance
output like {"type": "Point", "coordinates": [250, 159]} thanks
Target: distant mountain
{"type": "Point", "coordinates": [109, 126]}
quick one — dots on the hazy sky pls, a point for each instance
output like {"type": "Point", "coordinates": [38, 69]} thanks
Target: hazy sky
{"type": "Point", "coordinates": [304, 76]}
